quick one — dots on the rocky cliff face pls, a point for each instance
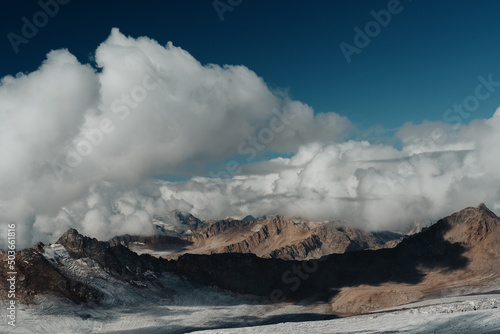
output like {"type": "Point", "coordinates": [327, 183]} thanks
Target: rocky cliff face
{"type": "Point", "coordinates": [189, 220]}
{"type": "Point", "coordinates": [79, 246]}
{"type": "Point", "coordinates": [300, 250]}
{"type": "Point", "coordinates": [154, 242]}
{"type": "Point", "coordinates": [278, 237]}
{"type": "Point", "coordinates": [262, 238]}
{"type": "Point", "coordinates": [36, 276]}
{"type": "Point", "coordinates": [118, 260]}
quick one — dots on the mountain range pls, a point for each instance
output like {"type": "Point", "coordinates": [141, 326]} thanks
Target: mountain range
{"type": "Point", "coordinates": [272, 261]}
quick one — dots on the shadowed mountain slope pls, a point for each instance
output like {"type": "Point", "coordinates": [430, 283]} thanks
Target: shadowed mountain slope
{"type": "Point", "coordinates": [282, 238]}
{"type": "Point", "coordinates": [450, 254]}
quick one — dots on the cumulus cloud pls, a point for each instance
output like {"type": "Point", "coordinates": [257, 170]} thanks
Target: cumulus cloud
{"type": "Point", "coordinates": [437, 172]}
{"type": "Point", "coordinates": [78, 143]}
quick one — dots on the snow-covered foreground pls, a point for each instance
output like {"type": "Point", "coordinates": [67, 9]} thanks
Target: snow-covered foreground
{"type": "Point", "coordinates": [469, 314]}
{"type": "Point", "coordinates": [169, 304]}
{"type": "Point", "coordinates": [172, 316]}
{"type": "Point", "coordinates": [166, 304]}
{"type": "Point", "coordinates": [198, 310]}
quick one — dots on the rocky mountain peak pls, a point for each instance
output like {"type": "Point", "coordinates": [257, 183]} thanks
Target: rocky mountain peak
{"type": "Point", "coordinates": [189, 220]}
{"type": "Point", "coordinates": [475, 228]}
{"type": "Point", "coordinates": [117, 260]}
{"type": "Point", "coordinates": [79, 246]}
{"type": "Point", "coordinates": [487, 211]}
{"type": "Point", "coordinates": [475, 216]}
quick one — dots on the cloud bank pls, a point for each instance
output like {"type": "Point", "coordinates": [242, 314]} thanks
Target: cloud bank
{"type": "Point", "coordinates": [83, 146]}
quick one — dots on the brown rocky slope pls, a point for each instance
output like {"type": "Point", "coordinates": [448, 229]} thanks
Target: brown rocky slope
{"type": "Point", "coordinates": [458, 254]}
{"type": "Point", "coordinates": [282, 238]}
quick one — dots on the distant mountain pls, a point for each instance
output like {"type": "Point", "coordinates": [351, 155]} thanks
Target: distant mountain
{"type": "Point", "coordinates": [189, 220]}
{"type": "Point", "coordinates": [279, 237]}
{"type": "Point", "coordinates": [177, 224]}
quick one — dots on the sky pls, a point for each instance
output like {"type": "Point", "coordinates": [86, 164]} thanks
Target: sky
{"type": "Point", "coordinates": [379, 113]}
{"type": "Point", "coordinates": [424, 61]}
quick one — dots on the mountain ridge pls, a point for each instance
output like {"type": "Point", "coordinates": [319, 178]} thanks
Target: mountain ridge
{"type": "Point", "coordinates": [456, 255]}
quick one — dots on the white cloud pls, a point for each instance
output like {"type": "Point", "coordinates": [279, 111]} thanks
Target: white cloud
{"type": "Point", "coordinates": [437, 172]}
{"type": "Point", "coordinates": [74, 140]}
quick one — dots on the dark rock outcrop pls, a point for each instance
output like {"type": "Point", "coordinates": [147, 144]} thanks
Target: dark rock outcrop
{"type": "Point", "coordinates": [153, 242]}
{"type": "Point", "coordinates": [37, 276]}
{"type": "Point", "coordinates": [118, 260]}
{"type": "Point", "coordinates": [189, 220]}
{"type": "Point", "coordinates": [299, 250]}
{"type": "Point", "coordinates": [79, 246]}
{"type": "Point", "coordinates": [278, 237]}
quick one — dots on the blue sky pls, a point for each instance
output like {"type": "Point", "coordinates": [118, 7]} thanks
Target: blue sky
{"type": "Point", "coordinates": [424, 61]}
